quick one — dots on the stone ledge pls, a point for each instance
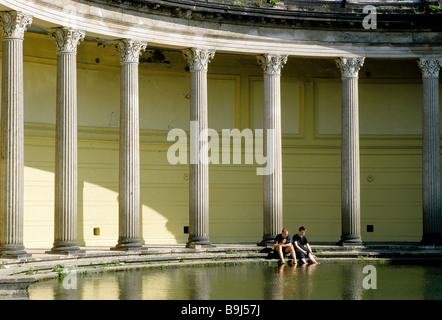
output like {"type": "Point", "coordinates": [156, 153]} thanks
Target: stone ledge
{"type": "Point", "coordinates": [17, 276]}
{"type": "Point", "coordinates": [40, 265]}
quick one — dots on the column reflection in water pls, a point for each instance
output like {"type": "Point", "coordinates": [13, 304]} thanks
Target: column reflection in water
{"type": "Point", "coordinates": [351, 278]}
{"type": "Point", "coordinates": [130, 285]}
{"type": "Point", "coordinates": [430, 283]}
{"type": "Point", "coordinates": [99, 287]}
{"type": "Point", "coordinates": [200, 283]}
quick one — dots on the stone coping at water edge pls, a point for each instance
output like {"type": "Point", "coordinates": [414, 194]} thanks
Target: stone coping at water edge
{"type": "Point", "coordinates": [18, 274]}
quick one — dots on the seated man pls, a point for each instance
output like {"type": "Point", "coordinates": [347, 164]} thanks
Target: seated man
{"type": "Point", "coordinates": [283, 245]}
{"type": "Point", "coordinates": [302, 247]}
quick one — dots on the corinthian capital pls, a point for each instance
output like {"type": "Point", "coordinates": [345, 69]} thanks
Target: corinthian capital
{"type": "Point", "coordinates": [350, 66]}
{"type": "Point", "coordinates": [198, 59]}
{"type": "Point", "coordinates": [430, 67]}
{"type": "Point", "coordinates": [67, 39]}
{"type": "Point", "coordinates": [272, 63]}
{"type": "Point", "coordinates": [129, 50]}
{"type": "Point", "coordinates": [14, 24]}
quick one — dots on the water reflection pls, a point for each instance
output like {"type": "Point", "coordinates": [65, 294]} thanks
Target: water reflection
{"type": "Point", "coordinates": [431, 286]}
{"type": "Point", "coordinates": [130, 286]}
{"type": "Point", "coordinates": [253, 282]}
{"type": "Point", "coordinates": [290, 282]}
{"type": "Point", "coordinates": [351, 279]}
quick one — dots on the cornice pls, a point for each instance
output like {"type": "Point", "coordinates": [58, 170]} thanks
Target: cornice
{"type": "Point", "coordinates": [343, 15]}
{"type": "Point", "coordinates": [103, 21]}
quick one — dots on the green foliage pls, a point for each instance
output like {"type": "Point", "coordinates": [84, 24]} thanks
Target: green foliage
{"type": "Point", "coordinates": [62, 271]}
{"type": "Point", "coordinates": [58, 268]}
{"type": "Point", "coordinates": [428, 9]}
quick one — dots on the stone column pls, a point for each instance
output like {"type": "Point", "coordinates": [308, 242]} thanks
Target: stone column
{"type": "Point", "coordinates": [13, 25]}
{"type": "Point", "coordinates": [65, 217]}
{"type": "Point", "coordinates": [129, 185]}
{"type": "Point", "coordinates": [273, 206]}
{"type": "Point", "coordinates": [431, 179]}
{"type": "Point", "coordinates": [350, 174]}
{"type": "Point", "coordinates": [198, 60]}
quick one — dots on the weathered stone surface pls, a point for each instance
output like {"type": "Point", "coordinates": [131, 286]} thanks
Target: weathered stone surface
{"type": "Point", "coordinates": [65, 218]}
{"type": "Point", "coordinates": [198, 60]}
{"type": "Point", "coordinates": [129, 183]}
{"type": "Point", "coordinates": [327, 35]}
{"type": "Point", "coordinates": [273, 205]}
{"type": "Point", "coordinates": [13, 26]}
{"type": "Point", "coordinates": [431, 174]}
{"type": "Point", "coordinates": [350, 164]}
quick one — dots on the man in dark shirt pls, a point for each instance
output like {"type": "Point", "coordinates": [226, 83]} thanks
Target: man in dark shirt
{"type": "Point", "coordinates": [283, 245]}
{"type": "Point", "coordinates": [302, 247]}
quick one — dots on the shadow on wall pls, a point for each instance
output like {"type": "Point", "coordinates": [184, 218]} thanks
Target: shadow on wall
{"type": "Point", "coordinates": [235, 206]}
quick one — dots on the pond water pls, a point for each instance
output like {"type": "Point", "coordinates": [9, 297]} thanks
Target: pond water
{"type": "Point", "coordinates": [327, 281]}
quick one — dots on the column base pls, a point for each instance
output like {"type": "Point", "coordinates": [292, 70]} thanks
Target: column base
{"type": "Point", "coordinates": [129, 245]}
{"type": "Point", "coordinates": [13, 252]}
{"type": "Point", "coordinates": [267, 240]}
{"type": "Point", "coordinates": [431, 240]}
{"type": "Point", "coordinates": [350, 241]}
{"type": "Point", "coordinates": [66, 248]}
{"type": "Point", "coordinates": [199, 242]}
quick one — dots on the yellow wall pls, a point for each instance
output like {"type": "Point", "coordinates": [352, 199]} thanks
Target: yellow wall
{"type": "Point", "coordinates": [390, 122]}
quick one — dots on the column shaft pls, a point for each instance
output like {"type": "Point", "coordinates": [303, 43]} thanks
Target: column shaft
{"type": "Point", "coordinates": [129, 152]}
{"type": "Point", "coordinates": [350, 165]}
{"type": "Point", "coordinates": [431, 172]}
{"type": "Point", "coordinates": [272, 204]}
{"type": "Point", "coordinates": [12, 135]}
{"type": "Point", "coordinates": [65, 217]}
{"type": "Point", "coordinates": [198, 61]}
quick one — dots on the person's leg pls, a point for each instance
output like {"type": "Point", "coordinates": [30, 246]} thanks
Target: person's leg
{"type": "Point", "coordinates": [293, 254]}
{"type": "Point", "coordinates": [281, 256]}
{"type": "Point", "coordinates": [312, 257]}
{"type": "Point", "coordinates": [301, 256]}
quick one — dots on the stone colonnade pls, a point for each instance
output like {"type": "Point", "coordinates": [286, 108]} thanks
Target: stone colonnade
{"type": "Point", "coordinates": [129, 153]}
{"type": "Point", "coordinates": [350, 176]}
{"type": "Point", "coordinates": [198, 61]}
{"type": "Point", "coordinates": [272, 204]}
{"type": "Point", "coordinates": [431, 180]}
{"type": "Point", "coordinates": [13, 25]}
{"type": "Point", "coordinates": [65, 223]}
